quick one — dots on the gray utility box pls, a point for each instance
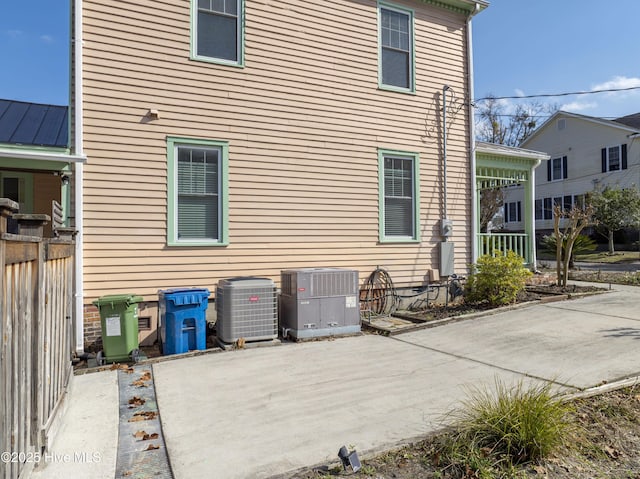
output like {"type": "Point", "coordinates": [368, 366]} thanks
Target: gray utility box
{"type": "Point", "coordinates": [318, 302]}
{"type": "Point", "coordinates": [247, 308]}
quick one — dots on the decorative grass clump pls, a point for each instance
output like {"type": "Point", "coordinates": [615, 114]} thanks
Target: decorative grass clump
{"type": "Point", "coordinates": [498, 430]}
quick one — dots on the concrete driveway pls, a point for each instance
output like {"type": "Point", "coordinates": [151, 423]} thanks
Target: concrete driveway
{"type": "Point", "coordinates": [259, 413]}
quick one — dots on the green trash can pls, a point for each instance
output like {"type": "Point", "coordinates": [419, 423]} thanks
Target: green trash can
{"type": "Point", "coordinates": [119, 324]}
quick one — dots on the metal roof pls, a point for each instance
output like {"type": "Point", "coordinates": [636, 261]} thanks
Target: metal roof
{"type": "Point", "coordinates": [34, 124]}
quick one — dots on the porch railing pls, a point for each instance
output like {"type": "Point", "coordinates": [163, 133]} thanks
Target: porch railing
{"type": "Point", "coordinates": [35, 336]}
{"type": "Point", "coordinates": [499, 243]}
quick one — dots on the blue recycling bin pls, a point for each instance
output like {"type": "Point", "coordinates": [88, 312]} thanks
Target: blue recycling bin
{"type": "Point", "coordinates": [183, 322]}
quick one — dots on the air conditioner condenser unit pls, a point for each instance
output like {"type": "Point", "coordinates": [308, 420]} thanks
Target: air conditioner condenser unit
{"type": "Point", "coordinates": [317, 302]}
{"type": "Point", "coordinates": [247, 308]}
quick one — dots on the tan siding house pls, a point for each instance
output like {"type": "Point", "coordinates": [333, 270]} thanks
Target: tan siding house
{"type": "Point", "coordinates": [312, 138]}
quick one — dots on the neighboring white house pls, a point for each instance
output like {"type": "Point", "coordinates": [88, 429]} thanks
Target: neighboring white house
{"type": "Point", "coordinates": [585, 153]}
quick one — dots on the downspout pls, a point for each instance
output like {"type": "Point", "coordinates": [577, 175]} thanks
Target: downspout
{"type": "Point", "coordinates": [472, 142]}
{"type": "Point", "coordinates": [445, 88]}
{"type": "Point", "coordinates": [78, 177]}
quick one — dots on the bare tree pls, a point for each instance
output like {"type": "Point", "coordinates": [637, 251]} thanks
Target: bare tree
{"type": "Point", "coordinates": [497, 125]}
{"type": "Point", "coordinates": [491, 200]}
{"type": "Point", "coordinates": [577, 219]}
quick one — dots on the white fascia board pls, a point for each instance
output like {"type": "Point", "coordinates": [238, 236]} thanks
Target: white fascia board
{"type": "Point", "coordinates": [42, 156]}
{"type": "Point", "coordinates": [510, 151]}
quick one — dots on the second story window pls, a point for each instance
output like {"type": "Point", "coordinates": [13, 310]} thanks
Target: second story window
{"type": "Point", "coordinates": [513, 212]}
{"type": "Point", "coordinates": [396, 48]}
{"type": "Point", "coordinates": [217, 33]}
{"type": "Point", "coordinates": [557, 169]}
{"type": "Point", "coordinates": [614, 158]}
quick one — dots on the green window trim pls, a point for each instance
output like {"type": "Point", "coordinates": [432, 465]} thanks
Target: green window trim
{"type": "Point", "coordinates": [414, 237]}
{"type": "Point", "coordinates": [239, 62]}
{"type": "Point", "coordinates": [383, 5]}
{"type": "Point", "coordinates": [173, 143]}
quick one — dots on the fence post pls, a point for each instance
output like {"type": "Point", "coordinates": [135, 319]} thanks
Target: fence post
{"type": "Point", "coordinates": [7, 208]}
{"type": "Point", "coordinates": [32, 225]}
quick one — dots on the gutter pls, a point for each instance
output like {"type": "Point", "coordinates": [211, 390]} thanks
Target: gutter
{"type": "Point", "coordinates": [78, 177]}
{"type": "Point", "coordinates": [42, 156]}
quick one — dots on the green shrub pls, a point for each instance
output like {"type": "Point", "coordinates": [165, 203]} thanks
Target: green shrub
{"type": "Point", "coordinates": [497, 280]}
{"type": "Point", "coordinates": [496, 430]}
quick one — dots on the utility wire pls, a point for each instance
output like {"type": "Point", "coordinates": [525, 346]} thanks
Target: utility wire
{"type": "Point", "coordinates": [547, 95]}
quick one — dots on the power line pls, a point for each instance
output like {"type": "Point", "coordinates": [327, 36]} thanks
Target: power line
{"type": "Point", "coordinates": [548, 95]}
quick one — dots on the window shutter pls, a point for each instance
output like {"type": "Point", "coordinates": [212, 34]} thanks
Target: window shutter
{"type": "Point", "coordinates": [549, 170]}
{"type": "Point", "coordinates": [604, 160]}
{"type": "Point", "coordinates": [564, 168]}
{"type": "Point", "coordinates": [624, 156]}
{"type": "Point", "coordinates": [548, 209]}
{"type": "Point", "coordinates": [519, 211]}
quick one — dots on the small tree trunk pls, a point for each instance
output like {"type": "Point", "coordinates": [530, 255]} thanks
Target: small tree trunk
{"type": "Point", "coordinates": [569, 253]}
{"type": "Point", "coordinates": [611, 247]}
{"type": "Point", "coordinates": [556, 230]}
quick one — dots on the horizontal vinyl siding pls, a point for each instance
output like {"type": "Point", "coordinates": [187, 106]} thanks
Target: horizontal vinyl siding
{"type": "Point", "coordinates": [304, 119]}
{"type": "Point", "coordinates": [581, 142]}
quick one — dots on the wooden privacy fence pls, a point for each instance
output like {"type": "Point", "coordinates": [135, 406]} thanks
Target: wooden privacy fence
{"type": "Point", "coordinates": [36, 283]}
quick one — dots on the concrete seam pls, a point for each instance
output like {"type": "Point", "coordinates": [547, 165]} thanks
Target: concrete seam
{"type": "Point", "coordinates": [484, 363]}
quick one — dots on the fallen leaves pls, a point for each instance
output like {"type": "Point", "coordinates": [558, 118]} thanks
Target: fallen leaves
{"type": "Point", "coordinates": [144, 436]}
{"type": "Point", "coordinates": [143, 416]}
{"type": "Point", "coordinates": [141, 382]}
{"type": "Point", "coordinates": [613, 453]}
{"type": "Point", "coordinates": [152, 447]}
{"type": "Point", "coordinates": [135, 401]}
{"type": "Point", "coordinates": [121, 367]}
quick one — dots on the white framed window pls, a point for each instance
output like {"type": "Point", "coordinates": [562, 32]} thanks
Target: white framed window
{"type": "Point", "coordinates": [557, 169]}
{"type": "Point", "coordinates": [396, 43]}
{"type": "Point", "coordinates": [513, 212]}
{"type": "Point", "coordinates": [558, 201]}
{"type": "Point", "coordinates": [399, 196]}
{"type": "Point", "coordinates": [217, 31]}
{"type": "Point", "coordinates": [197, 192]}
{"type": "Point", "coordinates": [539, 210]}
{"type": "Point", "coordinates": [614, 158]}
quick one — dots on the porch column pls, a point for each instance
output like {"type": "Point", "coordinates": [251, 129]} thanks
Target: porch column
{"type": "Point", "coordinates": [476, 226]}
{"type": "Point", "coordinates": [530, 220]}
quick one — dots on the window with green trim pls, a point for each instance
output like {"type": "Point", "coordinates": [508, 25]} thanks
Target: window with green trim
{"type": "Point", "coordinates": [399, 201]}
{"type": "Point", "coordinates": [396, 48]}
{"type": "Point", "coordinates": [217, 28]}
{"type": "Point", "coordinates": [197, 192]}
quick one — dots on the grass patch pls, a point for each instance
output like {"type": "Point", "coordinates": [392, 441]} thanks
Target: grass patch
{"type": "Point", "coordinates": [605, 257]}
{"type": "Point", "coordinates": [628, 278]}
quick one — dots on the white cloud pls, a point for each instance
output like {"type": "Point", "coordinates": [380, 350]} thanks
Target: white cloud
{"type": "Point", "coordinates": [46, 38]}
{"type": "Point", "coordinates": [618, 82]}
{"type": "Point", "coordinates": [519, 92]}
{"type": "Point", "coordinates": [576, 106]}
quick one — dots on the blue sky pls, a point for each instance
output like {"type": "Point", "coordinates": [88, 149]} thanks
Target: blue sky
{"type": "Point", "coordinates": [521, 47]}
{"type": "Point", "coordinates": [531, 47]}
{"type": "Point", "coordinates": [34, 47]}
